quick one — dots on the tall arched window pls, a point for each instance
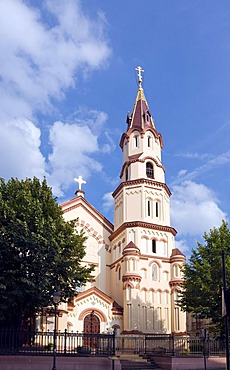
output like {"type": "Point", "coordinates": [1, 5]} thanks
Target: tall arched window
{"type": "Point", "coordinates": [149, 170]}
{"type": "Point", "coordinates": [154, 272]}
{"type": "Point", "coordinates": [176, 270]}
{"type": "Point", "coordinates": [136, 141]}
{"type": "Point", "coordinates": [149, 207]}
{"type": "Point", "coordinates": [154, 248]}
{"type": "Point", "coordinates": [149, 141]}
{"type": "Point", "coordinates": [157, 208]}
{"type": "Point", "coordinates": [126, 174]}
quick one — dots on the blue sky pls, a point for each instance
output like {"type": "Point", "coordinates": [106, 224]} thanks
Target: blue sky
{"type": "Point", "coordinates": [67, 81]}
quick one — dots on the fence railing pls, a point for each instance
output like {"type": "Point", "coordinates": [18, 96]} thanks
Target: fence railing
{"type": "Point", "coordinates": [41, 343]}
{"type": "Point", "coordinates": [170, 345]}
{"type": "Point", "coordinates": [67, 344]}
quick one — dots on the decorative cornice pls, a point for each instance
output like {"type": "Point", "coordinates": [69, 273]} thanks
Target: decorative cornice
{"type": "Point", "coordinates": [174, 283]}
{"type": "Point", "coordinates": [131, 276]}
{"type": "Point", "coordinates": [142, 160]}
{"type": "Point", "coordinates": [82, 202]}
{"type": "Point", "coordinates": [96, 312]}
{"type": "Point", "coordinates": [127, 134]}
{"type": "Point", "coordinates": [140, 182]}
{"type": "Point", "coordinates": [144, 225]}
{"type": "Point", "coordinates": [177, 259]}
{"type": "Point", "coordinates": [94, 290]}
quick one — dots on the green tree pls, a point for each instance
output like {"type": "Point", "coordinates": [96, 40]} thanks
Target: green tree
{"type": "Point", "coordinates": [202, 288]}
{"type": "Point", "coordinates": [39, 252]}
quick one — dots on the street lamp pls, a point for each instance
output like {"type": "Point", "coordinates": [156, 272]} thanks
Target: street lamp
{"type": "Point", "coordinates": [56, 300]}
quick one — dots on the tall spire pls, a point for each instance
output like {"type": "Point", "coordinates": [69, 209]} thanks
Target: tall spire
{"type": "Point", "coordinates": [141, 117]}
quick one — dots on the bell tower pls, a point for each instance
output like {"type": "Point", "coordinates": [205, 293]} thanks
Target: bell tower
{"type": "Point", "coordinates": [142, 195]}
{"type": "Point", "coordinates": [143, 240]}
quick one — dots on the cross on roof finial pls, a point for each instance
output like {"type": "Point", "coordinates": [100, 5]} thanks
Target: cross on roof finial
{"type": "Point", "coordinates": [139, 69]}
{"type": "Point", "coordinates": [80, 181]}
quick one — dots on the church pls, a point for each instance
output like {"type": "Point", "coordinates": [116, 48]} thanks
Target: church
{"type": "Point", "coordinates": [137, 267]}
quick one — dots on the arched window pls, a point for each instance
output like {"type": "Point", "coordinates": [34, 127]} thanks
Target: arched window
{"type": "Point", "coordinates": [149, 170]}
{"type": "Point", "coordinates": [126, 174]}
{"type": "Point", "coordinates": [149, 141]}
{"type": "Point", "coordinates": [157, 208]}
{"type": "Point", "coordinates": [154, 272]}
{"type": "Point", "coordinates": [136, 141]}
{"type": "Point", "coordinates": [154, 248]}
{"type": "Point", "coordinates": [149, 207]}
{"type": "Point", "coordinates": [176, 271]}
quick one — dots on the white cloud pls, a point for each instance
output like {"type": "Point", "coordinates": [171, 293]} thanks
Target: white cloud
{"type": "Point", "coordinates": [220, 160]}
{"type": "Point", "coordinates": [182, 173]}
{"type": "Point", "coordinates": [194, 209]}
{"type": "Point", "coordinates": [39, 61]}
{"type": "Point", "coordinates": [19, 149]}
{"type": "Point", "coordinates": [194, 155]}
{"type": "Point", "coordinates": [182, 245]}
{"type": "Point", "coordinates": [72, 146]}
{"type": "Point", "coordinates": [107, 200]}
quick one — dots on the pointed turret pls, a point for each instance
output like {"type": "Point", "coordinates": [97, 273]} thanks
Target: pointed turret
{"type": "Point", "coordinates": [141, 119]}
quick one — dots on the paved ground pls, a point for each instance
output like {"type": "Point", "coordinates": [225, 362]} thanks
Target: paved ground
{"type": "Point", "coordinates": [134, 362]}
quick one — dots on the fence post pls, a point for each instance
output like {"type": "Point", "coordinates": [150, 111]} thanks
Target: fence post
{"type": "Point", "coordinates": [173, 345]}
{"type": "Point", "coordinates": [65, 339]}
{"type": "Point", "coordinates": [114, 341]}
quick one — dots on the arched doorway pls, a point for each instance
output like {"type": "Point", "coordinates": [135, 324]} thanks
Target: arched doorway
{"type": "Point", "coordinates": [91, 326]}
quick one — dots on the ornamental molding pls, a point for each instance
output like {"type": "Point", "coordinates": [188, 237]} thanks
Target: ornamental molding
{"type": "Point", "coordinates": [142, 160]}
{"type": "Point", "coordinates": [84, 204]}
{"type": "Point", "coordinates": [131, 277]}
{"type": "Point", "coordinates": [175, 283]}
{"type": "Point", "coordinates": [144, 225]}
{"type": "Point", "coordinates": [147, 182]}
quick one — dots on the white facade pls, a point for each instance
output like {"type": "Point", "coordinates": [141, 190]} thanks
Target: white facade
{"type": "Point", "coordinates": [137, 268]}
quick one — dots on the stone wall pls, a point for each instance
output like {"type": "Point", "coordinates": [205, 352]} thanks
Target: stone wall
{"type": "Point", "coordinates": [62, 363]}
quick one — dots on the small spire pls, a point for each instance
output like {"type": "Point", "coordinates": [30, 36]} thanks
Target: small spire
{"type": "Point", "coordinates": [80, 182]}
{"type": "Point", "coordinates": [139, 69]}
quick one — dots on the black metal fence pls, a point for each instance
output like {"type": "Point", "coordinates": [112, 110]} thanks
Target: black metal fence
{"type": "Point", "coordinates": [81, 344]}
{"type": "Point", "coordinates": [41, 343]}
{"type": "Point", "coordinates": [170, 345]}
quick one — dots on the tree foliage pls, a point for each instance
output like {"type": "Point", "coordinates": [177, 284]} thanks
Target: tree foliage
{"type": "Point", "coordinates": [39, 252]}
{"type": "Point", "coordinates": [202, 288]}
